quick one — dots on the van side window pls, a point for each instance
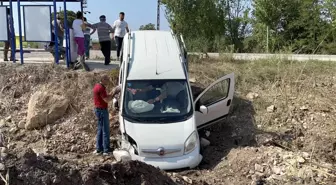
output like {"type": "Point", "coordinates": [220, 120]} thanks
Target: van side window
{"type": "Point", "coordinates": [216, 93]}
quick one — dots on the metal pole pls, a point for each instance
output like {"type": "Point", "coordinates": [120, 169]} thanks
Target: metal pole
{"type": "Point", "coordinates": [158, 15]}
{"type": "Point", "coordinates": [55, 31]}
{"type": "Point", "coordinates": [13, 47]}
{"type": "Point", "coordinates": [267, 39]}
{"type": "Point", "coordinates": [82, 9]}
{"type": "Point", "coordinates": [20, 30]}
{"type": "Point", "coordinates": [67, 36]}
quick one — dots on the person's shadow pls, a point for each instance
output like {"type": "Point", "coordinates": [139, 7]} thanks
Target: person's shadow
{"type": "Point", "coordinates": [99, 65]}
{"type": "Point", "coordinates": [237, 130]}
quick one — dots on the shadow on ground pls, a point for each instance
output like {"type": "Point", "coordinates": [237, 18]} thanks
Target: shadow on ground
{"type": "Point", "coordinates": [99, 65]}
{"type": "Point", "coordinates": [237, 130]}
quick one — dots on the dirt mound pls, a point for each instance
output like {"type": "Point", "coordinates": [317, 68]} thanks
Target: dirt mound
{"type": "Point", "coordinates": [273, 165]}
{"type": "Point", "coordinates": [74, 132]}
{"type": "Point", "coordinates": [133, 172]}
{"type": "Point", "coordinates": [30, 169]}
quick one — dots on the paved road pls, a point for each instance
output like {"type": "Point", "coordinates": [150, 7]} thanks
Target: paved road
{"type": "Point", "coordinates": [41, 56]}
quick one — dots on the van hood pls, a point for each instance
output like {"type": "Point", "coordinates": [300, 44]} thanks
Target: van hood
{"type": "Point", "coordinates": [149, 137]}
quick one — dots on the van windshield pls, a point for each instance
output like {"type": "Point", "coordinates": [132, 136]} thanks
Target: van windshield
{"type": "Point", "coordinates": [157, 101]}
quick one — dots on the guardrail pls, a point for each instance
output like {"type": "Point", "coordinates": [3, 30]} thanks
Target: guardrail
{"type": "Point", "coordinates": [257, 56]}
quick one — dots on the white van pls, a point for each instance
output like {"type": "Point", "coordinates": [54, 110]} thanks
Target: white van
{"type": "Point", "coordinates": [159, 120]}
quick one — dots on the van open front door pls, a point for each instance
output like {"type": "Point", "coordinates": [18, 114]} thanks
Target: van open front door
{"type": "Point", "coordinates": [214, 103]}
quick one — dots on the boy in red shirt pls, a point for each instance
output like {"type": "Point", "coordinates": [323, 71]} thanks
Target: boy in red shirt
{"type": "Point", "coordinates": [101, 99]}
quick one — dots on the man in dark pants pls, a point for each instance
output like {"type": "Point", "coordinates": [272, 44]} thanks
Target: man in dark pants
{"type": "Point", "coordinates": [8, 43]}
{"type": "Point", "coordinates": [60, 30]}
{"type": "Point", "coordinates": [87, 39]}
{"type": "Point", "coordinates": [104, 31]}
{"type": "Point", "coordinates": [101, 99]}
{"type": "Point", "coordinates": [120, 28]}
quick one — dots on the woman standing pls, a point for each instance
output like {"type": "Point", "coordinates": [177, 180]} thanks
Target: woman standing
{"type": "Point", "coordinates": [78, 27]}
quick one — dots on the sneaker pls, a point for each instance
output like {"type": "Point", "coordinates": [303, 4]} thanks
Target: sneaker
{"type": "Point", "coordinates": [97, 152]}
{"type": "Point", "coordinates": [6, 60]}
{"type": "Point", "coordinates": [106, 154]}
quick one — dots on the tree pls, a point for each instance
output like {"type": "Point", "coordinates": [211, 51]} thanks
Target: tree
{"type": "Point", "coordinates": [199, 21]}
{"type": "Point", "coordinates": [209, 25]}
{"type": "Point", "coordinates": [296, 26]}
{"type": "Point", "coordinates": [71, 16]}
{"type": "Point", "coordinates": [149, 26]}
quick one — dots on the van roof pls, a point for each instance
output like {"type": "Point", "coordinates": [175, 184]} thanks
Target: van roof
{"type": "Point", "coordinates": [155, 55]}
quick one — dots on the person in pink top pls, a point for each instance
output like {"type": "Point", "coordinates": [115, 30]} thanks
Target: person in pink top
{"type": "Point", "coordinates": [78, 27]}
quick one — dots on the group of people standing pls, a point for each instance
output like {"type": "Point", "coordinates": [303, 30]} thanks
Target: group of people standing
{"type": "Point", "coordinates": [82, 35]}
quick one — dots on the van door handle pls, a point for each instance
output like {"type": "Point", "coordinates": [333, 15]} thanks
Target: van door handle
{"type": "Point", "coordinates": [228, 102]}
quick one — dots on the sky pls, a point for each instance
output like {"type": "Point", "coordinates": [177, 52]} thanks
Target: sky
{"type": "Point", "coordinates": [137, 12]}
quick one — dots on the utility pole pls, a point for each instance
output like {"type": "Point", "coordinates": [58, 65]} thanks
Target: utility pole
{"type": "Point", "coordinates": [84, 5]}
{"type": "Point", "coordinates": [60, 9]}
{"type": "Point", "coordinates": [158, 15]}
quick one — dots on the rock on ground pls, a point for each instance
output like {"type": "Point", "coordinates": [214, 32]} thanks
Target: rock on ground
{"type": "Point", "coordinates": [44, 108]}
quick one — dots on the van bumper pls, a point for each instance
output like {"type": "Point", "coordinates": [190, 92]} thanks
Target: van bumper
{"type": "Point", "coordinates": [190, 160]}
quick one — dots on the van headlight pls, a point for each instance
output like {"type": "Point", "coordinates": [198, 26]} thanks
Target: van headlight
{"type": "Point", "coordinates": [190, 143]}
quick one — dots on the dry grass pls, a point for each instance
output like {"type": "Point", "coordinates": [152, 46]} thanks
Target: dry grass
{"type": "Point", "coordinates": [304, 94]}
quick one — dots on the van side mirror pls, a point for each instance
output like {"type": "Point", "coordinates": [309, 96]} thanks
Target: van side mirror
{"type": "Point", "coordinates": [204, 109]}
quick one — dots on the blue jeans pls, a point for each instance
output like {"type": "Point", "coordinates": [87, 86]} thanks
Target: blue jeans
{"type": "Point", "coordinates": [87, 45]}
{"type": "Point", "coordinates": [60, 40]}
{"type": "Point", "coordinates": [103, 132]}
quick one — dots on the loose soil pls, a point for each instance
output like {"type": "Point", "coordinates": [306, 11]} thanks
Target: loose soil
{"type": "Point", "coordinates": [292, 143]}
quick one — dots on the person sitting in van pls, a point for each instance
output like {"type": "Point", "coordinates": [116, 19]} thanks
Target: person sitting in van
{"type": "Point", "coordinates": [168, 90]}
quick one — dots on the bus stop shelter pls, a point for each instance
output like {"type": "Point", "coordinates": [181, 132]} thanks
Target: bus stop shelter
{"type": "Point", "coordinates": [35, 15]}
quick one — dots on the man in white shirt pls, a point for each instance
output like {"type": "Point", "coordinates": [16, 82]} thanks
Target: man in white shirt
{"type": "Point", "coordinates": [120, 28]}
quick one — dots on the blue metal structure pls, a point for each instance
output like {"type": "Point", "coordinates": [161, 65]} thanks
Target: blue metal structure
{"type": "Point", "coordinates": [67, 36]}
{"type": "Point", "coordinates": [13, 40]}
{"type": "Point", "coordinates": [20, 32]}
